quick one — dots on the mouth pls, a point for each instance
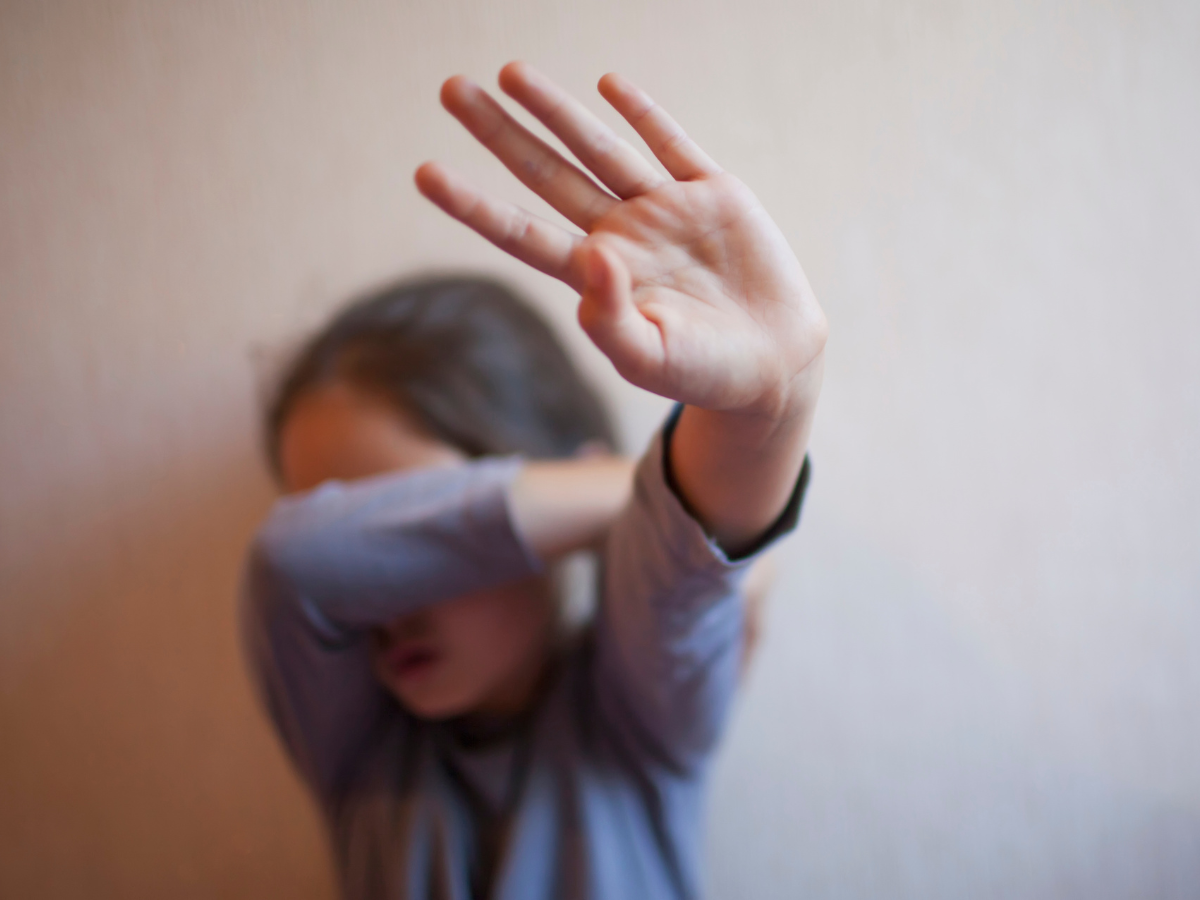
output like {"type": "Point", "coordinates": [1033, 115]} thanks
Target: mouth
{"type": "Point", "coordinates": [411, 661]}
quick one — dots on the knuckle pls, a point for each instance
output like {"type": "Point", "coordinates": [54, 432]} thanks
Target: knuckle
{"type": "Point", "coordinates": [673, 140]}
{"type": "Point", "coordinates": [648, 109]}
{"type": "Point", "coordinates": [644, 185]}
{"type": "Point", "coordinates": [597, 207]}
{"type": "Point", "coordinates": [473, 209]}
{"type": "Point", "coordinates": [556, 112]}
{"type": "Point", "coordinates": [516, 230]}
{"type": "Point", "coordinates": [539, 169]}
{"type": "Point", "coordinates": [603, 145]}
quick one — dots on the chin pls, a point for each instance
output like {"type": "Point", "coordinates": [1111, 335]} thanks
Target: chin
{"type": "Point", "coordinates": [435, 705]}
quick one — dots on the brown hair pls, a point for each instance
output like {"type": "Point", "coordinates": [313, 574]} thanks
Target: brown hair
{"type": "Point", "coordinates": [479, 368]}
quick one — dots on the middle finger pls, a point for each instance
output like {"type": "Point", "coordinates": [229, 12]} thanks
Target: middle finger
{"type": "Point", "coordinates": [538, 166]}
{"type": "Point", "coordinates": [619, 167]}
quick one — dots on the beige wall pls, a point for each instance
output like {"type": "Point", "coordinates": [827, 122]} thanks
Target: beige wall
{"type": "Point", "coordinates": [981, 676]}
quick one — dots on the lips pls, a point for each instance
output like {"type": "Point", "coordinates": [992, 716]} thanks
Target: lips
{"type": "Point", "coordinates": [411, 660]}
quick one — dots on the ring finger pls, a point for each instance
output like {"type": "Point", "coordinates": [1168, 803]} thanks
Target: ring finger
{"type": "Point", "coordinates": [619, 166]}
{"type": "Point", "coordinates": [538, 166]}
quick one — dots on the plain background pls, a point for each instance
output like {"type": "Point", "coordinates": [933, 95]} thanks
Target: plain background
{"type": "Point", "coordinates": [980, 677]}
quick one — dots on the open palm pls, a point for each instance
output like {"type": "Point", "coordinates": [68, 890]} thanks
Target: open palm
{"type": "Point", "coordinates": [686, 283]}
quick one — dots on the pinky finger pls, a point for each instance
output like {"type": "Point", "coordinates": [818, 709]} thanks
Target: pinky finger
{"type": "Point", "coordinates": [520, 234]}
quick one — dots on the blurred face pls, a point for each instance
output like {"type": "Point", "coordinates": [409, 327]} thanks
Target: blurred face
{"type": "Point", "coordinates": [479, 653]}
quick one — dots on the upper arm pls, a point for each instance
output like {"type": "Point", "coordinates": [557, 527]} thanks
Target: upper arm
{"type": "Point", "coordinates": [317, 687]}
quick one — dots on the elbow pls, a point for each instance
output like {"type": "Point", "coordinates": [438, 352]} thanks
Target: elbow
{"type": "Point", "coordinates": [280, 586]}
{"type": "Point", "coordinates": [263, 579]}
{"type": "Point", "coordinates": [279, 549]}
{"type": "Point", "coordinates": [274, 566]}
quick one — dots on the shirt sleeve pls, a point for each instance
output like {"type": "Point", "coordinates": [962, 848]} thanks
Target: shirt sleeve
{"type": "Point", "coordinates": [328, 565]}
{"type": "Point", "coordinates": [671, 616]}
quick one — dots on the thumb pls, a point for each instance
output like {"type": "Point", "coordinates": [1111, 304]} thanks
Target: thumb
{"type": "Point", "coordinates": [612, 320]}
{"type": "Point", "coordinates": [607, 280]}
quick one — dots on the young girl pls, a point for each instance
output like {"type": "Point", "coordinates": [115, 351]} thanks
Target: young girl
{"type": "Point", "coordinates": [438, 452]}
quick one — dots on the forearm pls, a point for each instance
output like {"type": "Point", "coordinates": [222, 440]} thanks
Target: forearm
{"type": "Point", "coordinates": [735, 470]}
{"type": "Point", "coordinates": [360, 553]}
{"type": "Point", "coordinates": [560, 506]}
{"type": "Point", "coordinates": [671, 623]}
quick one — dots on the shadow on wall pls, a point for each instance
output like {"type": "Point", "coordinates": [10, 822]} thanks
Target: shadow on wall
{"type": "Point", "coordinates": [134, 758]}
{"type": "Point", "coordinates": [136, 763]}
{"type": "Point", "coordinates": [920, 769]}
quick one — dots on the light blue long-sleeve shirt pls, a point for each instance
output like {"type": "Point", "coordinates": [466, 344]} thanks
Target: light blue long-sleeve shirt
{"type": "Point", "coordinates": [608, 770]}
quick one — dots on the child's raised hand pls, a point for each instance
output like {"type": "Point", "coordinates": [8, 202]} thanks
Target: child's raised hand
{"type": "Point", "coordinates": [687, 284]}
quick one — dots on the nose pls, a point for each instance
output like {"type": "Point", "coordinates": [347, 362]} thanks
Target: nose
{"type": "Point", "coordinates": [410, 627]}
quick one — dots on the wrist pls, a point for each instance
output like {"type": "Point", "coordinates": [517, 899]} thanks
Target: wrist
{"type": "Point", "coordinates": [560, 506]}
{"type": "Point", "coordinates": [797, 397]}
{"type": "Point", "coordinates": [783, 417]}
